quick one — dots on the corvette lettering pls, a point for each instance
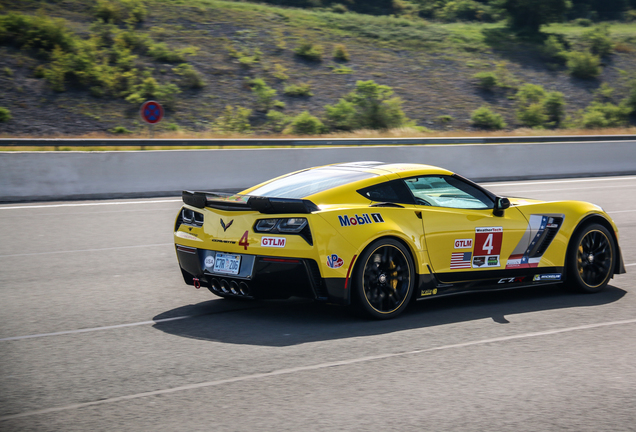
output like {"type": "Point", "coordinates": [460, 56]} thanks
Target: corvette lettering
{"type": "Point", "coordinates": [360, 220]}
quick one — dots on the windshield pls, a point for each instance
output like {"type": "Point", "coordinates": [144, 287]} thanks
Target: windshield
{"type": "Point", "coordinates": [309, 182]}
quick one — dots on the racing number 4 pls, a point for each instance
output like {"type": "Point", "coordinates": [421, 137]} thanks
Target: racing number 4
{"type": "Point", "coordinates": [243, 242]}
{"type": "Point", "coordinates": [488, 244]}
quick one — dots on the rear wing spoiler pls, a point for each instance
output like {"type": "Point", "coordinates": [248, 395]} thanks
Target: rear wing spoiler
{"type": "Point", "coordinates": [238, 202]}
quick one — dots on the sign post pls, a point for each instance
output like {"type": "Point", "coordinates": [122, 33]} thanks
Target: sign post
{"type": "Point", "coordinates": [151, 112]}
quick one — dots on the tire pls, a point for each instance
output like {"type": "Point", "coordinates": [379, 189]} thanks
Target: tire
{"type": "Point", "coordinates": [591, 259]}
{"type": "Point", "coordinates": [384, 279]}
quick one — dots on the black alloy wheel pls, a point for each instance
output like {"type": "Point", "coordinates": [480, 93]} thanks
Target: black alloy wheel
{"type": "Point", "coordinates": [591, 259]}
{"type": "Point", "coordinates": [384, 279]}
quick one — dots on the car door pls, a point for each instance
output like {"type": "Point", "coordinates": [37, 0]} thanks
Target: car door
{"type": "Point", "coordinates": [465, 239]}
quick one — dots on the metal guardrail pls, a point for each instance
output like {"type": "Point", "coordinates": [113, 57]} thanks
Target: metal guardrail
{"type": "Point", "coordinates": [276, 142]}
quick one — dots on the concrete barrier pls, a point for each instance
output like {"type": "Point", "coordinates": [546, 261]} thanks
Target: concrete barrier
{"type": "Point", "coordinates": [34, 176]}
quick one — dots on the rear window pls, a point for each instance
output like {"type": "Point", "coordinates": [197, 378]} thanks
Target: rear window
{"type": "Point", "coordinates": [309, 182]}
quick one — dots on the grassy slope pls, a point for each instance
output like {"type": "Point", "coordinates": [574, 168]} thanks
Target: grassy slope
{"type": "Point", "coordinates": [429, 65]}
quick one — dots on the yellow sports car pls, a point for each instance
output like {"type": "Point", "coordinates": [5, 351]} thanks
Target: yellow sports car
{"type": "Point", "coordinates": [378, 235]}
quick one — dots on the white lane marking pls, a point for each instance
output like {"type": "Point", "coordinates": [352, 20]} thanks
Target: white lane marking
{"type": "Point", "coordinates": [592, 179]}
{"type": "Point", "coordinates": [88, 204]}
{"type": "Point", "coordinates": [86, 250]}
{"type": "Point", "coordinates": [629, 265]}
{"type": "Point", "coordinates": [622, 211]}
{"type": "Point", "coordinates": [311, 368]}
{"type": "Point", "coordinates": [97, 328]}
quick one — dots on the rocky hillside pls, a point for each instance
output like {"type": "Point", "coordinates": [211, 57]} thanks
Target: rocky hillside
{"type": "Point", "coordinates": [70, 67]}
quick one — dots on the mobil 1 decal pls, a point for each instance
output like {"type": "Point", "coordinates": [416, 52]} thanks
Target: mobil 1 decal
{"type": "Point", "coordinates": [487, 247]}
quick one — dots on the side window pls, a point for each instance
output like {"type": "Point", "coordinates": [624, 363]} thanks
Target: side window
{"type": "Point", "coordinates": [393, 191]}
{"type": "Point", "coordinates": [447, 191]}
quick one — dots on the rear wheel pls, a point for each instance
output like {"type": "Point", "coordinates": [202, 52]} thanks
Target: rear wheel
{"type": "Point", "coordinates": [384, 279]}
{"type": "Point", "coordinates": [591, 259]}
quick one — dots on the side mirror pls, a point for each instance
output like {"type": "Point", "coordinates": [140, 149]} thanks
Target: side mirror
{"type": "Point", "coordinates": [501, 204]}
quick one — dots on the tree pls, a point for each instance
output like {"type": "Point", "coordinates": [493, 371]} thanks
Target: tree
{"type": "Point", "coordinates": [527, 16]}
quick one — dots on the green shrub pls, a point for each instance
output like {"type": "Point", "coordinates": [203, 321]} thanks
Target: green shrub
{"type": "Point", "coordinates": [149, 88]}
{"type": "Point", "coordinates": [340, 53]}
{"type": "Point", "coordinates": [298, 90]}
{"type": "Point", "coordinates": [339, 8]}
{"type": "Point", "coordinates": [630, 100]}
{"type": "Point", "coordinates": [160, 51]}
{"type": "Point", "coordinates": [305, 124]}
{"type": "Point", "coordinates": [341, 116]}
{"type": "Point", "coordinates": [264, 94]}
{"type": "Point", "coordinates": [5, 115]}
{"type": "Point", "coordinates": [467, 10]}
{"type": "Point", "coordinates": [599, 41]}
{"type": "Point", "coordinates": [584, 65]}
{"type": "Point", "coordinates": [483, 117]}
{"type": "Point", "coordinates": [120, 130]}
{"type": "Point", "coordinates": [533, 116]}
{"type": "Point", "coordinates": [130, 11]}
{"type": "Point", "coordinates": [555, 49]}
{"type": "Point", "coordinates": [190, 77]}
{"type": "Point", "coordinates": [36, 32]}
{"type": "Point", "coordinates": [341, 70]}
{"type": "Point", "coordinates": [537, 108]}
{"type": "Point", "coordinates": [582, 22]}
{"type": "Point", "coordinates": [279, 72]}
{"type": "Point", "coordinates": [605, 115]}
{"type": "Point", "coordinates": [554, 106]}
{"type": "Point", "coordinates": [486, 80]}
{"type": "Point", "coordinates": [309, 51]}
{"type": "Point", "coordinates": [604, 92]}
{"type": "Point", "coordinates": [277, 120]}
{"type": "Point", "coordinates": [369, 106]}
{"type": "Point", "coordinates": [233, 120]}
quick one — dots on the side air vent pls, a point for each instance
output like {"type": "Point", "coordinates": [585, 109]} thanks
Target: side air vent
{"type": "Point", "coordinates": [554, 223]}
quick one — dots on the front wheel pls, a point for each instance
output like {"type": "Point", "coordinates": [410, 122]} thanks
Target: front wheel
{"type": "Point", "coordinates": [591, 259]}
{"type": "Point", "coordinates": [384, 279]}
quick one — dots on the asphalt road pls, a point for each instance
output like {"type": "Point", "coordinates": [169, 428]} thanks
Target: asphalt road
{"type": "Point", "coordinates": [98, 332]}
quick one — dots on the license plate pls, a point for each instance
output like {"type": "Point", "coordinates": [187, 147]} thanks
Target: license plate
{"type": "Point", "coordinates": [227, 263]}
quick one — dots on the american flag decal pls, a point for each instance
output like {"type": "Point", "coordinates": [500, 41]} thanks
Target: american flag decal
{"type": "Point", "coordinates": [460, 260]}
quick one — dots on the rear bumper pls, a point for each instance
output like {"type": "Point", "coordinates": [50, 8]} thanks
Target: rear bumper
{"type": "Point", "coordinates": [271, 278]}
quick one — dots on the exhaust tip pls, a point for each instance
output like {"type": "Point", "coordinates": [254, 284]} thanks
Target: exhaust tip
{"type": "Point", "coordinates": [244, 289]}
{"type": "Point", "coordinates": [234, 288]}
{"type": "Point", "coordinates": [225, 286]}
{"type": "Point", "coordinates": [215, 284]}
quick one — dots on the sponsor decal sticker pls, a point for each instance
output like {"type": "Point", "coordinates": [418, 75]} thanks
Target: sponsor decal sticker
{"type": "Point", "coordinates": [185, 235]}
{"type": "Point", "coordinates": [464, 244]}
{"type": "Point", "coordinates": [277, 242]}
{"type": "Point", "coordinates": [486, 261]}
{"type": "Point", "coordinates": [487, 247]}
{"type": "Point", "coordinates": [334, 261]}
{"type": "Point", "coordinates": [360, 220]}
{"type": "Point", "coordinates": [209, 261]}
{"type": "Point", "coordinates": [429, 292]}
{"type": "Point", "coordinates": [460, 260]}
{"type": "Point", "coordinates": [547, 277]}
